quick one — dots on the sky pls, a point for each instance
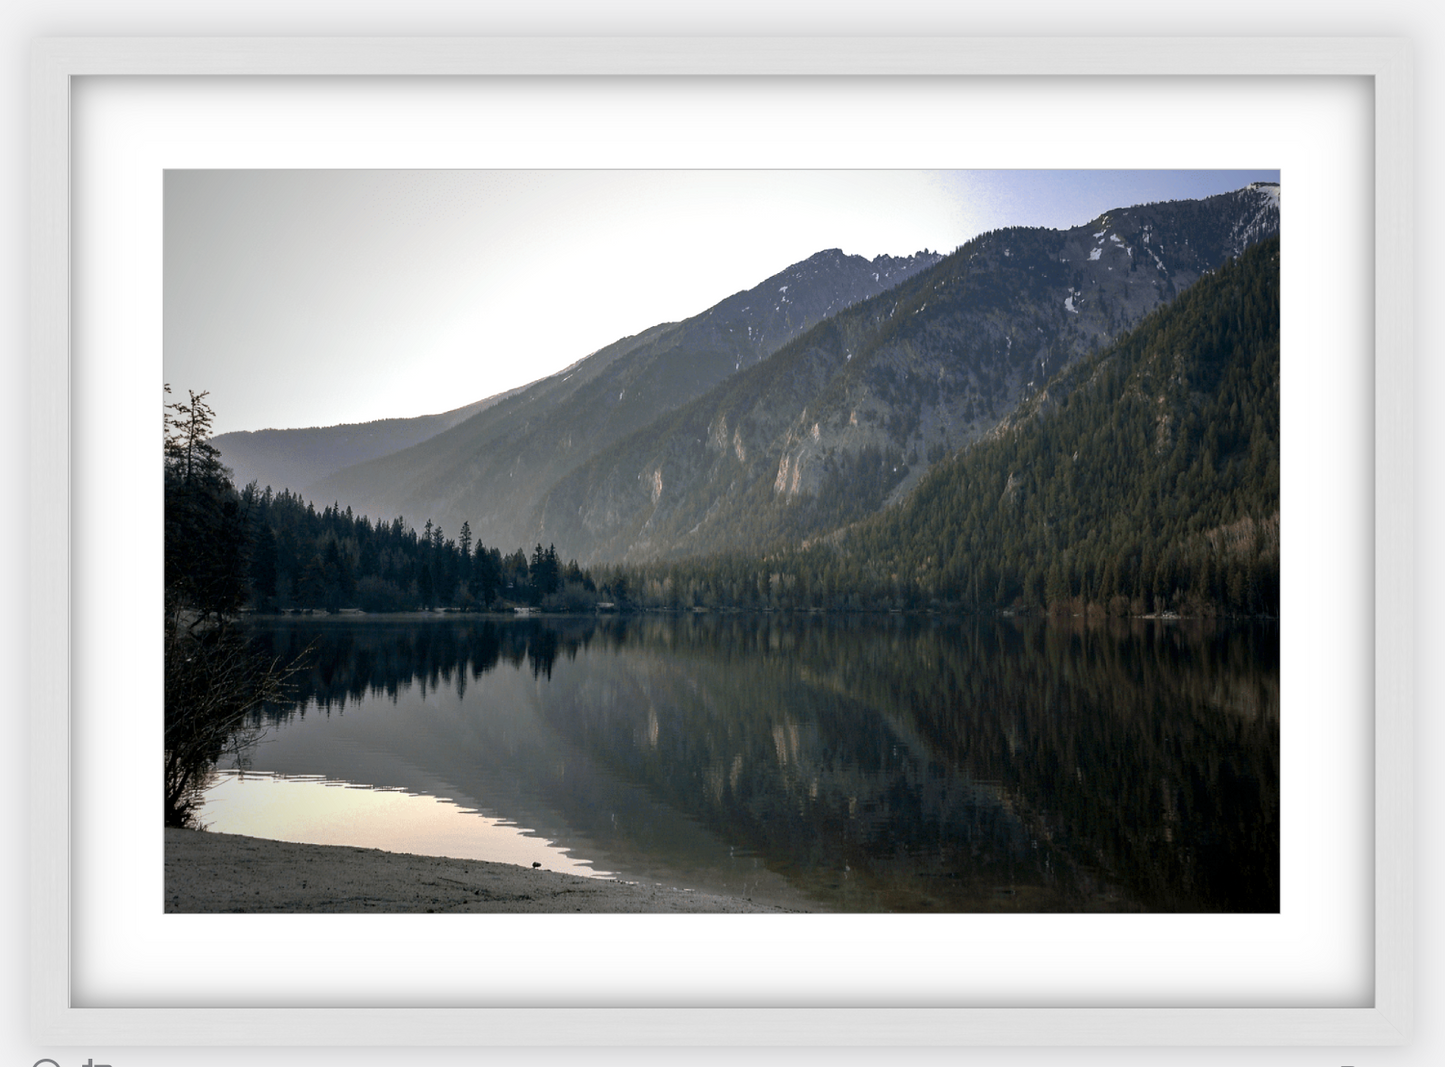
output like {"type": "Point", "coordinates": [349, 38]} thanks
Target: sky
{"type": "Point", "coordinates": [319, 297]}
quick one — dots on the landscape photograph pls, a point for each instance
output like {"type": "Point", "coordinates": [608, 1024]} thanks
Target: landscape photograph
{"type": "Point", "coordinates": [722, 541]}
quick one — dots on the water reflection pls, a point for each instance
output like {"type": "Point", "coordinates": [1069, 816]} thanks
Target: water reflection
{"type": "Point", "coordinates": [862, 763]}
{"type": "Point", "coordinates": [318, 811]}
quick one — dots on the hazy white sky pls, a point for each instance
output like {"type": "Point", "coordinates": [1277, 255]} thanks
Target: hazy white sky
{"type": "Point", "coordinates": [310, 298]}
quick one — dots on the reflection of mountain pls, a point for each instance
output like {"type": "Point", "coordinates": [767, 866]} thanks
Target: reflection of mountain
{"type": "Point", "coordinates": [821, 786]}
{"type": "Point", "coordinates": [896, 763]}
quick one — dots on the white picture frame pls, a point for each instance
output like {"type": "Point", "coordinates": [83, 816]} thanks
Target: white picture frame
{"type": "Point", "coordinates": [56, 66]}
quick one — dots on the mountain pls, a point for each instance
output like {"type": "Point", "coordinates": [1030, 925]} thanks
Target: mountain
{"type": "Point", "coordinates": [287, 458]}
{"type": "Point", "coordinates": [1139, 479]}
{"type": "Point", "coordinates": [850, 415]}
{"type": "Point", "coordinates": [1142, 479]}
{"type": "Point", "coordinates": [491, 469]}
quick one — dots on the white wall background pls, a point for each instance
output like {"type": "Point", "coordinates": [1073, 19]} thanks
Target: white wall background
{"type": "Point", "coordinates": [23, 20]}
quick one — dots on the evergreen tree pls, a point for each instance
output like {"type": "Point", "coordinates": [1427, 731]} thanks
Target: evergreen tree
{"type": "Point", "coordinates": [207, 534]}
{"type": "Point", "coordinates": [213, 676]}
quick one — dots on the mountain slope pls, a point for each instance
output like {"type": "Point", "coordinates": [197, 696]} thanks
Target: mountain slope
{"type": "Point", "coordinates": [286, 458]}
{"type": "Point", "coordinates": [491, 469]}
{"type": "Point", "coordinates": [851, 414]}
{"type": "Point", "coordinates": [1143, 479]}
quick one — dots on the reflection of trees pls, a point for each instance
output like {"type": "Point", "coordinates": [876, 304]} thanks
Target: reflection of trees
{"type": "Point", "coordinates": [1153, 748]}
{"type": "Point", "coordinates": [353, 660]}
{"type": "Point", "coordinates": [1095, 765]}
{"type": "Point", "coordinates": [1140, 756]}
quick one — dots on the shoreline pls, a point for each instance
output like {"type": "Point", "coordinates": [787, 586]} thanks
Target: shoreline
{"type": "Point", "coordinates": [208, 872]}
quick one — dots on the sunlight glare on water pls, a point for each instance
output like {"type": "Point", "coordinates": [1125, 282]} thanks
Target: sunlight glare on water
{"type": "Point", "coordinates": [318, 811]}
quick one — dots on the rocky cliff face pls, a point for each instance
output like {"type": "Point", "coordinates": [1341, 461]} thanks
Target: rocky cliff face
{"type": "Point", "coordinates": [850, 414]}
{"type": "Point", "coordinates": [492, 469]}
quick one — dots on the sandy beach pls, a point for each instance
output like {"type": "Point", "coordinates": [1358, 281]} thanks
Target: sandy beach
{"type": "Point", "coordinates": [211, 872]}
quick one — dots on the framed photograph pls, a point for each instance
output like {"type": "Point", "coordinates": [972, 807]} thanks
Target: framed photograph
{"type": "Point", "coordinates": [115, 121]}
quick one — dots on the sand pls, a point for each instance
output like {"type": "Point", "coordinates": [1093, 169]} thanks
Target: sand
{"type": "Point", "coordinates": [211, 872]}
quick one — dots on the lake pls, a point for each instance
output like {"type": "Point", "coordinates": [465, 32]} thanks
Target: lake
{"type": "Point", "coordinates": [857, 763]}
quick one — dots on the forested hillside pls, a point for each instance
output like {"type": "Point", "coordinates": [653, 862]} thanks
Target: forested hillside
{"type": "Point", "coordinates": [1144, 479]}
{"type": "Point", "coordinates": [851, 415]}
{"type": "Point", "coordinates": [1148, 475]}
{"type": "Point", "coordinates": [304, 559]}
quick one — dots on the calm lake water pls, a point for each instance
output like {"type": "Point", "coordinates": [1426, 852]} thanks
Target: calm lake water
{"type": "Point", "coordinates": [856, 763]}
